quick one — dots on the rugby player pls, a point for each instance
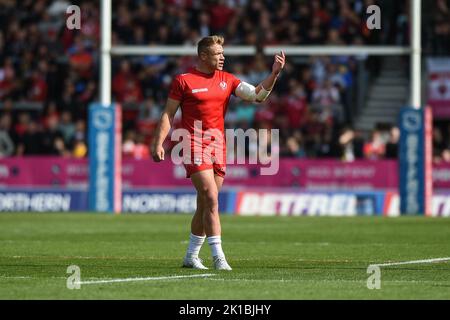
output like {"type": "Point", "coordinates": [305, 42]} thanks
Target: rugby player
{"type": "Point", "coordinates": [203, 94]}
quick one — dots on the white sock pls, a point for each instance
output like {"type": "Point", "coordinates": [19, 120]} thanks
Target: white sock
{"type": "Point", "coordinates": [195, 244]}
{"type": "Point", "coordinates": [216, 246]}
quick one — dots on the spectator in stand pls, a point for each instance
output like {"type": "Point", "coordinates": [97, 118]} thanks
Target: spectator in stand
{"type": "Point", "coordinates": [221, 15]}
{"type": "Point", "coordinates": [264, 115]}
{"type": "Point", "coordinates": [445, 155]}
{"type": "Point", "coordinates": [440, 27]}
{"type": "Point", "coordinates": [326, 147]}
{"type": "Point", "coordinates": [258, 71]}
{"type": "Point", "coordinates": [294, 147]}
{"type": "Point", "coordinates": [327, 99]}
{"type": "Point", "coordinates": [6, 142]}
{"type": "Point", "coordinates": [79, 149]}
{"type": "Point", "coordinates": [204, 22]}
{"type": "Point", "coordinates": [318, 69]}
{"type": "Point", "coordinates": [52, 142]}
{"type": "Point", "coordinates": [8, 83]}
{"type": "Point", "coordinates": [351, 145]}
{"type": "Point", "coordinates": [392, 144]}
{"type": "Point", "coordinates": [129, 144]}
{"type": "Point", "coordinates": [125, 85]}
{"type": "Point", "coordinates": [67, 128]}
{"type": "Point", "coordinates": [244, 114]}
{"type": "Point", "coordinates": [8, 108]}
{"type": "Point", "coordinates": [89, 94]}
{"type": "Point", "coordinates": [22, 126]}
{"type": "Point", "coordinates": [59, 147]}
{"type": "Point", "coordinates": [38, 87]}
{"type": "Point", "coordinates": [50, 113]}
{"type": "Point", "coordinates": [149, 111]}
{"type": "Point", "coordinates": [313, 123]}
{"type": "Point", "coordinates": [141, 150]}
{"type": "Point", "coordinates": [295, 104]}
{"type": "Point", "coordinates": [30, 141]}
{"type": "Point", "coordinates": [438, 144]}
{"type": "Point", "coordinates": [80, 59]}
{"type": "Point", "coordinates": [67, 100]}
{"type": "Point", "coordinates": [375, 149]}
{"type": "Point", "coordinates": [79, 140]}
{"type": "Point", "coordinates": [132, 92]}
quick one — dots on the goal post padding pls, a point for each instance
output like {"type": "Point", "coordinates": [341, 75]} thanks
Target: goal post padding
{"type": "Point", "coordinates": [105, 161]}
{"type": "Point", "coordinates": [415, 161]}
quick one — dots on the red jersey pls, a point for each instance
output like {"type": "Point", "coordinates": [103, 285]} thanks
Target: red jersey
{"type": "Point", "coordinates": [203, 97]}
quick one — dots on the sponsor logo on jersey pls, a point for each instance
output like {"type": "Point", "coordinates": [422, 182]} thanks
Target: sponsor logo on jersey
{"type": "Point", "coordinates": [199, 90]}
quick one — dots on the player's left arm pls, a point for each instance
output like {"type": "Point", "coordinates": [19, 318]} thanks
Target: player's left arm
{"type": "Point", "coordinates": [248, 92]}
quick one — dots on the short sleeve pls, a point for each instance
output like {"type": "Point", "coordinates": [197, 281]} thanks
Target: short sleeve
{"type": "Point", "coordinates": [234, 83]}
{"type": "Point", "coordinates": [176, 89]}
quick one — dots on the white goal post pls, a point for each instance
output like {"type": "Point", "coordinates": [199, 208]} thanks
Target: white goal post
{"type": "Point", "coordinates": [414, 50]}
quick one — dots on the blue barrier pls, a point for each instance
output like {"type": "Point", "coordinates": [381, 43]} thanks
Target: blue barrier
{"type": "Point", "coordinates": [289, 202]}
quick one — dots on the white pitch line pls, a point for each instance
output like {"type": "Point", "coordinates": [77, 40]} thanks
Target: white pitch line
{"type": "Point", "coordinates": [412, 262]}
{"type": "Point", "coordinates": [326, 280]}
{"type": "Point", "coordinates": [146, 279]}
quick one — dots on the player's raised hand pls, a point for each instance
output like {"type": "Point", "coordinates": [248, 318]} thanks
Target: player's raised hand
{"type": "Point", "coordinates": [157, 153]}
{"type": "Point", "coordinates": [278, 63]}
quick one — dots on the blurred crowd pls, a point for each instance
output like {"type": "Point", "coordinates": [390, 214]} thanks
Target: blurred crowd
{"type": "Point", "coordinates": [49, 74]}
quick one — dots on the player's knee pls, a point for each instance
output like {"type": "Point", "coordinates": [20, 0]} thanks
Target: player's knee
{"type": "Point", "coordinates": [210, 198]}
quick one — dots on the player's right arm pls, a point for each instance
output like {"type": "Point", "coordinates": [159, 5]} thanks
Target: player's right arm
{"type": "Point", "coordinates": [163, 129]}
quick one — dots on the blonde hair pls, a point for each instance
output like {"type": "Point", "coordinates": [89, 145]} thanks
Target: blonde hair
{"type": "Point", "coordinates": [206, 42]}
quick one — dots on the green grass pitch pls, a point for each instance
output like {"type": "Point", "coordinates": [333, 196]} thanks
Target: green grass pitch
{"type": "Point", "coordinates": [289, 258]}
